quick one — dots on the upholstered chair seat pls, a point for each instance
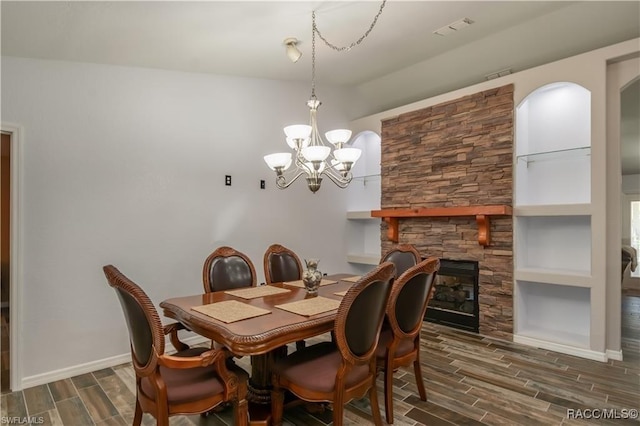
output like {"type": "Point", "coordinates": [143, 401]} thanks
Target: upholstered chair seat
{"type": "Point", "coordinates": [315, 368]}
{"type": "Point", "coordinates": [193, 384]}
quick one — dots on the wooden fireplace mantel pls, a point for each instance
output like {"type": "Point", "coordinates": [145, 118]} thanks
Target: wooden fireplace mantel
{"type": "Point", "coordinates": [482, 214]}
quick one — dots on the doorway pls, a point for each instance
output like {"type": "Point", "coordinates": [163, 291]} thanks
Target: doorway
{"type": "Point", "coordinates": [5, 261]}
{"type": "Point", "coordinates": [630, 169]}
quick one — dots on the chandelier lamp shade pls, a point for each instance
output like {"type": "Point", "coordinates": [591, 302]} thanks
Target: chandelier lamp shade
{"type": "Point", "coordinates": [312, 157]}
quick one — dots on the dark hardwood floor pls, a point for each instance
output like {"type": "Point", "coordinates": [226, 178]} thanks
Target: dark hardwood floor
{"type": "Point", "coordinates": [4, 353]}
{"type": "Point", "coordinates": [470, 379]}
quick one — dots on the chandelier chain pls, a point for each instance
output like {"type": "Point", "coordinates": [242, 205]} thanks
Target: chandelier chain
{"type": "Point", "coordinates": [313, 55]}
{"type": "Point", "coordinates": [355, 43]}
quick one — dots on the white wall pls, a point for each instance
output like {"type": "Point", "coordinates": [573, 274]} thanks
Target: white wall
{"type": "Point", "coordinates": [126, 166]}
{"type": "Point", "coordinates": [631, 184]}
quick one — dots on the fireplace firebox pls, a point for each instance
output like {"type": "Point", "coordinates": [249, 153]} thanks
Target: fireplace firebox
{"type": "Point", "coordinates": [455, 299]}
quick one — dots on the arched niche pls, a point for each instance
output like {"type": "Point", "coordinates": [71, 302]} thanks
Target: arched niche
{"type": "Point", "coordinates": [364, 190]}
{"type": "Point", "coordinates": [369, 164]}
{"type": "Point", "coordinates": [553, 134]}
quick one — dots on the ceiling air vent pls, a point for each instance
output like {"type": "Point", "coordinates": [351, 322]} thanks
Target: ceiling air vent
{"type": "Point", "coordinates": [453, 27]}
{"type": "Point", "coordinates": [498, 74]}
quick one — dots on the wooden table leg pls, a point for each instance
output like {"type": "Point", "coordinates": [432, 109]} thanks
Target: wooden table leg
{"type": "Point", "coordinates": [259, 392]}
{"type": "Point", "coordinates": [260, 380]}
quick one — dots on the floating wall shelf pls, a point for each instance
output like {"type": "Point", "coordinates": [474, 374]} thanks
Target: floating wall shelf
{"type": "Point", "coordinates": [482, 214]}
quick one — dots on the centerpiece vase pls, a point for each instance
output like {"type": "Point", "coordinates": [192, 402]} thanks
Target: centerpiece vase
{"type": "Point", "coordinates": [312, 277]}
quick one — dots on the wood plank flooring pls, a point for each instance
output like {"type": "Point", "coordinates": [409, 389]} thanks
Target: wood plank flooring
{"type": "Point", "coordinates": [5, 342]}
{"type": "Point", "coordinates": [470, 380]}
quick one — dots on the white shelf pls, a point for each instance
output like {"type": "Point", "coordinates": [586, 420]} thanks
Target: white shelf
{"type": "Point", "coordinates": [558, 182]}
{"type": "Point", "coordinates": [554, 276]}
{"type": "Point", "coordinates": [367, 179]}
{"type": "Point", "coordinates": [555, 336]}
{"type": "Point", "coordinates": [363, 258]}
{"type": "Point", "coordinates": [560, 154]}
{"type": "Point", "coordinates": [573, 345]}
{"type": "Point", "coordinates": [553, 243]}
{"type": "Point", "coordinates": [360, 215]}
{"type": "Point", "coordinates": [553, 313]}
{"type": "Point", "coordinates": [553, 210]}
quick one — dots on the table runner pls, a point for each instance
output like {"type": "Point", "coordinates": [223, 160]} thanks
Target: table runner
{"type": "Point", "coordinates": [300, 283]}
{"type": "Point", "coordinates": [353, 279]}
{"type": "Point", "coordinates": [255, 292]}
{"type": "Point", "coordinates": [312, 306]}
{"type": "Point", "coordinates": [341, 293]}
{"type": "Point", "coordinates": [230, 311]}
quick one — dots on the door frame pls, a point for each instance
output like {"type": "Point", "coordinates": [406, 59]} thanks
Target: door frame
{"type": "Point", "coordinates": [620, 73]}
{"type": "Point", "coordinates": [16, 132]}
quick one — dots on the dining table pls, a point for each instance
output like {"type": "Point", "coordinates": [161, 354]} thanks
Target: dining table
{"type": "Point", "coordinates": [278, 321]}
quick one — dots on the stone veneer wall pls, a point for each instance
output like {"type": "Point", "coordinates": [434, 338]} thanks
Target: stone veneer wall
{"type": "Point", "coordinates": [458, 153]}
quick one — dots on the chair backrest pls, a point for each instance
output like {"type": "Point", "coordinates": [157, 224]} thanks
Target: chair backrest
{"type": "Point", "coordinates": [360, 315]}
{"type": "Point", "coordinates": [410, 296]}
{"type": "Point", "coordinates": [403, 256]}
{"type": "Point", "coordinates": [281, 264]}
{"type": "Point", "coordinates": [143, 322]}
{"type": "Point", "coordinates": [227, 268]}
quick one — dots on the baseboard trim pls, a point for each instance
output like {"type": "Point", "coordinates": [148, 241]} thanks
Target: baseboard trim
{"type": "Point", "coordinates": [75, 370]}
{"type": "Point", "coordinates": [614, 355]}
{"type": "Point", "coordinates": [557, 347]}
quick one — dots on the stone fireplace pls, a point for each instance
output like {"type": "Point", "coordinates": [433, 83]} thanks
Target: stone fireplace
{"type": "Point", "coordinates": [456, 154]}
{"type": "Point", "coordinates": [455, 299]}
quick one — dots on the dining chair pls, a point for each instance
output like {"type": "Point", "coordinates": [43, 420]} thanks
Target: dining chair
{"type": "Point", "coordinates": [339, 371]}
{"type": "Point", "coordinates": [399, 343]}
{"type": "Point", "coordinates": [403, 256]}
{"type": "Point", "coordinates": [191, 381]}
{"type": "Point", "coordinates": [281, 264]}
{"type": "Point", "coordinates": [226, 269]}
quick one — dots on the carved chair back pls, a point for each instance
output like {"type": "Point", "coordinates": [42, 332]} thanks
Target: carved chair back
{"type": "Point", "coordinates": [145, 327]}
{"type": "Point", "coordinates": [226, 269]}
{"type": "Point", "coordinates": [360, 315]}
{"type": "Point", "coordinates": [281, 264]}
{"type": "Point", "coordinates": [403, 256]}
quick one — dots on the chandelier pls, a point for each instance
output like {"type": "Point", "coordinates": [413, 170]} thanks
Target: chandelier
{"type": "Point", "coordinates": [311, 156]}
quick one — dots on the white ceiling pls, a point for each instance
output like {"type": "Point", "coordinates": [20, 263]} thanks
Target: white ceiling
{"type": "Point", "coordinates": [389, 68]}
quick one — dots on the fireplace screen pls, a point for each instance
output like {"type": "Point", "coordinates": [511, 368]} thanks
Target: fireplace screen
{"type": "Point", "coordinates": [455, 298]}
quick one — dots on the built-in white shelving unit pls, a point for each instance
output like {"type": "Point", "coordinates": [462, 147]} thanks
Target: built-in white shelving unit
{"type": "Point", "coordinates": [363, 237]}
{"type": "Point", "coordinates": [552, 220]}
{"type": "Point", "coordinates": [363, 231]}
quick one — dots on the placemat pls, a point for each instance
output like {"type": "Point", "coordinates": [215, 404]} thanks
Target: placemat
{"type": "Point", "coordinates": [230, 311]}
{"type": "Point", "coordinates": [341, 293]}
{"type": "Point", "coordinates": [353, 279]}
{"type": "Point", "coordinates": [255, 292]}
{"type": "Point", "coordinates": [300, 283]}
{"type": "Point", "coordinates": [309, 307]}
